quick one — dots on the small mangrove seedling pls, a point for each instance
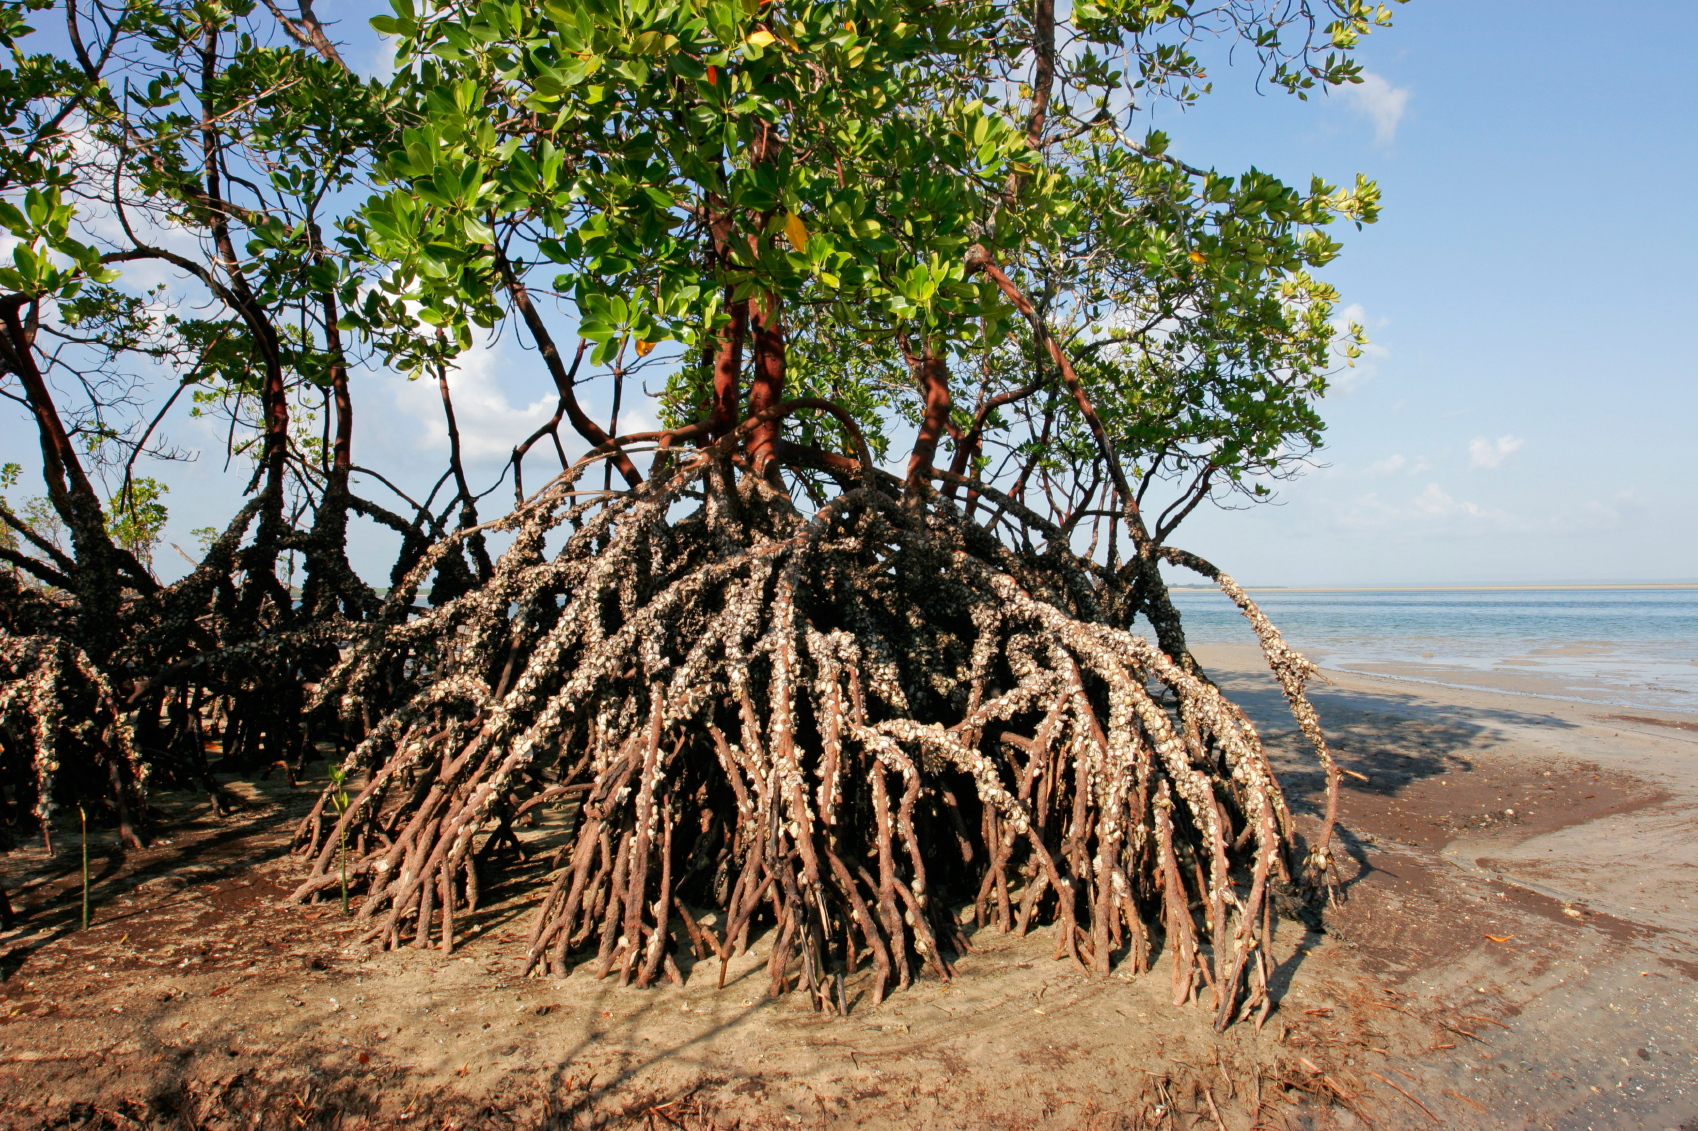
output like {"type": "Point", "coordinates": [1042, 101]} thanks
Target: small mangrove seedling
{"type": "Point", "coordinates": [338, 776]}
{"type": "Point", "coordinates": [83, 813]}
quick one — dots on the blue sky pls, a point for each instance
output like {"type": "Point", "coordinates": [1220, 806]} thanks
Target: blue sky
{"type": "Point", "coordinates": [1527, 411]}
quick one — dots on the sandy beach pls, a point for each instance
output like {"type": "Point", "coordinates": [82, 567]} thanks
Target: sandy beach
{"type": "Point", "coordinates": [1513, 947]}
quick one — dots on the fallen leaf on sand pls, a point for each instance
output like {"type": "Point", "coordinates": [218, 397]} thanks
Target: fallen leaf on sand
{"type": "Point", "coordinates": [1500, 938]}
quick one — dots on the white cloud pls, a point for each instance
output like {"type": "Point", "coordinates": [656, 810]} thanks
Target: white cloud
{"type": "Point", "coordinates": [1488, 455]}
{"type": "Point", "coordinates": [1436, 502]}
{"type": "Point", "coordinates": [489, 423]}
{"type": "Point", "coordinates": [1381, 103]}
{"type": "Point", "coordinates": [482, 384]}
{"type": "Point", "coordinates": [633, 421]}
{"type": "Point", "coordinates": [1435, 514]}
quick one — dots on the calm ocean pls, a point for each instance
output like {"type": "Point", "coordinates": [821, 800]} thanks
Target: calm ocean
{"type": "Point", "coordinates": [1627, 647]}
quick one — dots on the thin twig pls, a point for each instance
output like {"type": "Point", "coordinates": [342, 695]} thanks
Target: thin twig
{"type": "Point", "coordinates": [1405, 1095]}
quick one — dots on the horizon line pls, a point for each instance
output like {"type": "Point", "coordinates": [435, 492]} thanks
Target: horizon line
{"type": "Point", "coordinates": [1447, 588]}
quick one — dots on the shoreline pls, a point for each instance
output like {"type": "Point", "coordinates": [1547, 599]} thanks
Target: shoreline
{"type": "Point", "coordinates": [1246, 657]}
{"type": "Point", "coordinates": [1624, 645]}
{"type": "Point", "coordinates": [1488, 688]}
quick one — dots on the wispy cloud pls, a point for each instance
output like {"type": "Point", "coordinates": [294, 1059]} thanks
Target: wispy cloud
{"type": "Point", "coordinates": [1621, 511]}
{"type": "Point", "coordinates": [1381, 103]}
{"type": "Point", "coordinates": [1432, 512]}
{"type": "Point", "coordinates": [1488, 455]}
{"type": "Point", "coordinates": [1397, 464]}
{"type": "Point", "coordinates": [1435, 514]}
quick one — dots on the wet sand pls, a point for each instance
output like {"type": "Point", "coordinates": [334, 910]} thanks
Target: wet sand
{"type": "Point", "coordinates": [1526, 855]}
{"type": "Point", "coordinates": [1513, 947]}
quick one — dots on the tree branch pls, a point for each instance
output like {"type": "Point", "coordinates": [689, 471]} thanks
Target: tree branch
{"type": "Point", "coordinates": [581, 422]}
{"type": "Point", "coordinates": [307, 31]}
{"type": "Point", "coordinates": [978, 259]}
{"type": "Point", "coordinates": [30, 565]}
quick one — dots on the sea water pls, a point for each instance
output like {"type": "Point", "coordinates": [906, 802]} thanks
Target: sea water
{"type": "Point", "coordinates": [1631, 647]}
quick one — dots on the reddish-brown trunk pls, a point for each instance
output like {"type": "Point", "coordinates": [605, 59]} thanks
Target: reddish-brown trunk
{"type": "Point", "coordinates": [978, 259]}
{"type": "Point", "coordinates": [934, 388]}
{"type": "Point", "coordinates": [728, 370]}
{"type": "Point", "coordinates": [967, 449]}
{"type": "Point", "coordinates": [767, 389]}
{"type": "Point", "coordinates": [274, 396]}
{"type": "Point", "coordinates": [276, 430]}
{"type": "Point", "coordinates": [60, 466]}
{"type": "Point", "coordinates": [1043, 70]}
{"type": "Point", "coordinates": [328, 575]}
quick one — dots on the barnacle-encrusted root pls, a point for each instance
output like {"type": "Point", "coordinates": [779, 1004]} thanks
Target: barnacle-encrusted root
{"type": "Point", "coordinates": [58, 704]}
{"type": "Point", "coordinates": [857, 728]}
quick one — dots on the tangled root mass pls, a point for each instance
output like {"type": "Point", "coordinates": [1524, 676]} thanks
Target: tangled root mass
{"type": "Point", "coordinates": [847, 726]}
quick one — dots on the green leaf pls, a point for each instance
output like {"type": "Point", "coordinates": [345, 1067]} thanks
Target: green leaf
{"type": "Point", "coordinates": [477, 231]}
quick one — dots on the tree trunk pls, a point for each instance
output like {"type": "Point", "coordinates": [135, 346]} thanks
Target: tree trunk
{"type": "Point", "coordinates": [934, 389]}
{"type": "Point", "coordinates": [767, 389]}
{"type": "Point", "coordinates": [728, 370]}
{"type": "Point", "coordinates": [69, 490]}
